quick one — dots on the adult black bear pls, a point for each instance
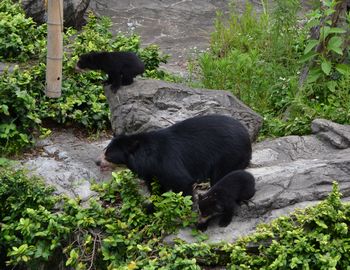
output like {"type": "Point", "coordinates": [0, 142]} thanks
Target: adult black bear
{"type": "Point", "coordinates": [224, 197]}
{"type": "Point", "coordinates": [121, 67]}
{"type": "Point", "coordinates": [193, 150]}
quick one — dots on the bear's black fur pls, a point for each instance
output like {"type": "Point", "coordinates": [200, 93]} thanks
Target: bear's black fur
{"type": "Point", "coordinates": [121, 67]}
{"type": "Point", "coordinates": [193, 150]}
{"type": "Point", "coordinates": [224, 197]}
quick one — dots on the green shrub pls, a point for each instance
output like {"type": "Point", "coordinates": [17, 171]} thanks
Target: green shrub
{"type": "Point", "coordinates": [20, 38]}
{"type": "Point", "coordinates": [259, 58]}
{"type": "Point", "coordinates": [112, 231]}
{"type": "Point", "coordinates": [314, 238]}
{"type": "Point", "coordinates": [24, 108]}
{"type": "Point", "coordinates": [19, 110]}
{"type": "Point", "coordinates": [29, 228]}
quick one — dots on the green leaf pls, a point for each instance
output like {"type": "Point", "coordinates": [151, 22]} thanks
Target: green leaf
{"type": "Point", "coordinates": [325, 31]}
{"type": "Point", "coordinates": [321, 224]}
{"type": "Point", "coordinates": [331, 85]}
{"type": "Point", "coordinates": [312, 43]}
{"type": "Point", "coordinates": [337, 30]}
{"type": "Point", "coordinates": [343, 69]}
{"type": "Point", "coordinates": [326, 67]}
{"type": "Point", "coordinates": [5, 109]}
{"type": "Point", "coordinates": [308, 56]}
{"type": "Point", "coordinates": [335, 44]}
{"type": "Point", "coordinates": [314, 75]}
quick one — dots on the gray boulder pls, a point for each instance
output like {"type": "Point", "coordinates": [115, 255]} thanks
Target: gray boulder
{"type": "Point", "coordinates": [68, 163]}
{"type": "Point", "coordinates": [73, 11]}
{"type": "Point", "coordinates": [6, 67]}
{"type": "Point", "coordinates": [291, 172]}
{"type": "Point", "coordinates": [151, 104]}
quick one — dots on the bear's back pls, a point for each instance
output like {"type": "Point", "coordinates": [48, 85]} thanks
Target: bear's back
{"type": "Point", "coordinates": [238, 185]}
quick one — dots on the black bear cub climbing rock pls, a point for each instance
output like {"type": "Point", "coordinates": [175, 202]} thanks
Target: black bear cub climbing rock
{"type": "Point", "coordinates": [196, 149]}
{"type": "Point", "coordinates": [121, 67]}
{"type": "Point", "coordinates": [224, 197]}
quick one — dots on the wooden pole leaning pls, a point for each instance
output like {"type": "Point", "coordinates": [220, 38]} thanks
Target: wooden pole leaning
{"type": "Point", "coordinates": [54, 48]}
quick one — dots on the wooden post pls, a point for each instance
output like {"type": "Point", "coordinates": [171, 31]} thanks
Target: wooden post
{"type": "Point", "coordinates": [54, 48]}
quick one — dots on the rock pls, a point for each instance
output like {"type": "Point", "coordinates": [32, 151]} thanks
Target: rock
{"type": "Point", "coordinates": [182, 29]}
{"type": "Point", "coordinates": [291, 172]}
{"type": "Point", "coordinates": [7, 67]}
{"type": "Point", "coordinates": [68, 163]}
{"type": "Point", "coordinates": [337, 135]}
{"type": "Point", "coordinates": [152, 104]}
{"type": "Point", "coordinates": [73, 11]}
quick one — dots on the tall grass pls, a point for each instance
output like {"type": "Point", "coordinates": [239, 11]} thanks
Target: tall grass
{"type": "Point", "coordinates": [257, 57]}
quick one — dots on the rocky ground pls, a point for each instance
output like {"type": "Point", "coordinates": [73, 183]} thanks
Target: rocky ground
{"type": "Point", "coordinates": [181, 28]}
{"type": "Point", "coordinates": [290, 172]}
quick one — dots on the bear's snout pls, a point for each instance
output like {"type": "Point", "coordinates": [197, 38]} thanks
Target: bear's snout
{"type": "Point", "coordinates": [98, 162]}
{"type": "Point", "coordinates": [104, 164]}
{"type": "Point", "coordinates": [78, 69]}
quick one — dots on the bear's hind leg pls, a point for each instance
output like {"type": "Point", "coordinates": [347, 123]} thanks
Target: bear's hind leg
{"type": "Point", "coordinates": [116, 82]}
{"type": "Point", "coordinates": [108, 81]}
{"type": "Point", "coordinates": [127, 80]}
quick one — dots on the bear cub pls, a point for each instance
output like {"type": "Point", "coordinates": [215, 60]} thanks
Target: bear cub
{"type": "Point", "coordinates": [196, 149]}
{"type": "Point", "coordinates": [224, 197]}
{"type": "Point", "coordinates": [121, 67]}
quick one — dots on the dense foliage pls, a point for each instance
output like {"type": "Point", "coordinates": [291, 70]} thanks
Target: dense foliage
{"type": "Point", "coordinates": [20, 38]}
{"type": "Point", "coordinates": [261, 59]}
{"type": "Point", "coordinates": [112, 231]}
{"type": "Point", "coordinates": [23, 105]}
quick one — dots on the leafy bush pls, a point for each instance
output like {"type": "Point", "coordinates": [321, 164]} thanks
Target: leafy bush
{"type": "Point", "coordinates": [23, 106]}
{"type": "Point", "coordinates": [112, 231]}
{"type": "Point", "coordinates": [314, 238]}
{"type": "Point", "coordinates": [260, 58]}
{"type": "Point", "coordinates": [20, 38]}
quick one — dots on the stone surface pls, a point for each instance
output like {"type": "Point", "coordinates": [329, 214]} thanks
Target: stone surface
{"type": "Point", "coordinates": [6, 67]}
{"type": "Point", "coordinates": [181, 28]}
{"type": "Point", "coordinates": [68, 163]}
{"type": "Point", "coordinates": [152, 104]}
{"type": "Point", "coordinates": [291, 172]}
{"type": "Point", "coordinates": [337, 135]}
{"type": "Point", "coordinates": [73, 11]}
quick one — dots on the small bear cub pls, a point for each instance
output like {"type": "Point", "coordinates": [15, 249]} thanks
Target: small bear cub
{"type": "Point", "coordinates": [121, 67]}
{"type": "Point", "coordinates": [224, 197]}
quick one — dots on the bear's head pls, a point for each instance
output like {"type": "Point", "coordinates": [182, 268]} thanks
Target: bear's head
{"type": "Point", "coordinates": [118, 152]}
{"type": "Point", "coordinates": [209, 206]}
{"type": "Point", "coordinates": [87, 61]}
